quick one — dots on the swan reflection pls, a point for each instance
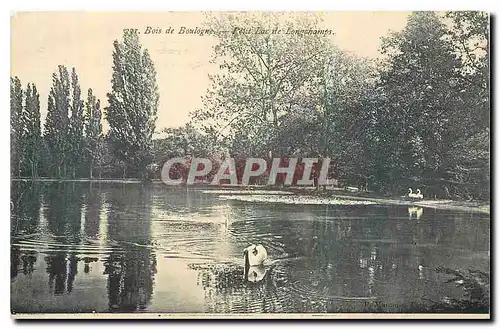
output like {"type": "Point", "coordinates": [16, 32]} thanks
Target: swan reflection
{"type": "Point", "coordinates": [415, 212]}
{"type": "Point", "coordinates": [255, 273]}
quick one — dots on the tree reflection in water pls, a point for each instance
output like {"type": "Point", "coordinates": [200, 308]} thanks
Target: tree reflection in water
{"type": "Point", "coordinates": [131, 269]}
{"type": "Point", "coordinates": [25, 217]}
{"type": "Point", "coordinates": [130, 280]}
{"type": "Point", "coordinates": [72, 215]}
{"type": "Point", "coordinates": [72, 240]}
{"type": "Point", "coordinates": [63, 211]}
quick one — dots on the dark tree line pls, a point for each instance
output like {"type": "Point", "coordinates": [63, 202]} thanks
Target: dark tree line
{"type": "Point", "coordinates": [72, 131]}
{"type": "Point", "coordinates": [418, 117]}
{"type": "Point", "coordinates": [72, 144]}
{"type": "Point", "coordinates": [25, 133]}
{"type": "Point", "coordinates": [433, 114]}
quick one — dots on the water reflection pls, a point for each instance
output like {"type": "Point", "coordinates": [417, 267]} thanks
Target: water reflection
{"type": "Point", "coordinates": [415, 212]}
{"type": "Point", "coordinates": [227, 289]}
{"type": "Point", "coordinates": [130, 280]}
{"type": "Point", "coordinates": [25, 216]}
{"type": "Point", "coordinates": [345, 265]}
{"type": "Point", "coordinates": [255, 273]}
{"type": "Point", "coordinates": [130, 270]}
{"type": "Point", "coordinates": [127, 247]}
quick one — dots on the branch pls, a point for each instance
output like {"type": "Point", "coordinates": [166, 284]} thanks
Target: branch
{"type": "Point", "coordinates": [256, 52]}
{"type": "Point", "coordinates": [236, 117]}
{"type": "Point", "coordinates": [469, 55]}
{"type": "Point", "coordinates": [288, 71]}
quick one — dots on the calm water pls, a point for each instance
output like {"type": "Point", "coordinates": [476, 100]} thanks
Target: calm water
{"type": "Point", "coordinates": [130, 248]}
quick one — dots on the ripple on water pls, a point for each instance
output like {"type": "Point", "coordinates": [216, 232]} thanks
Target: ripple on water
{"type": "Point", "coordinates": [42, 245]}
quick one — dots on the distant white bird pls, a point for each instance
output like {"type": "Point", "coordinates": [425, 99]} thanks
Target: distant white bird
{"type": "Point", "coordinates": [254, 255]}
{"type": "Point", "coordinates": [419, 194]}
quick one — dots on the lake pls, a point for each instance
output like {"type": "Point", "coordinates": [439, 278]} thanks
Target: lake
{"type": "Point", "coordinates": [104, 247]}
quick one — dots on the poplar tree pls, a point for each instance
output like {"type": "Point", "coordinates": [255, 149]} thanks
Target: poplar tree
{"type": "Point", "coordinates": [33, 139]}
{"type": "Point", "coordinates": [56, 130]}
{"type": "Point", "coordinates": [133, 103]}
{"type": "Point", "coordinates": [93, 130]}
{"type": "Point", "coordinates": [16, 129]}
{"type": "Point", "coordinates": [64, 123]}
{"type": "Point", "coordinates": [76, 124]}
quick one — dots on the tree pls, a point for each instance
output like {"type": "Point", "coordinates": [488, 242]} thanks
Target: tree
{"type": "Point", "coordinates": [76, 125]}
{"type": "Point", "coordinates": [469, 164]}
{"type": "Point", "coordinates": [186, 142]}
{"type": "Point", "coordinates": [56, 129]}
{"type": "Point", "coordinates": [345, 115]}
{"type": "Point", "coordinates": [281, 94]}
{"type": "Point", "coordinates": [418, 93]}
{"type": "Point", "coordinates": [264, 75]}
{"type": "Point", "coordinates": [426, 112]}
{"type": "Point", "coordinates": [63, 129]}
{"type": "Point", "coordinates": [16, 127]}
{"type": "Point", "coordinates": [133, 104]}
{"type": "Point", "coordinates": [469, 34]}
{"type": "Point", "coordinates": [33, 138]}
{"type": "Point", "coordinates": [93, 131]}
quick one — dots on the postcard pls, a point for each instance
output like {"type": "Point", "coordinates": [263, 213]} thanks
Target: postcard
{"type": "Point", "coordinates": [250, 165]}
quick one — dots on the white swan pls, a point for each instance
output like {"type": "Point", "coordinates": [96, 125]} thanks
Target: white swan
{"type": "Point", "coordinates": [254, 255]}
{"type": "Point", "coordinates": [419, 194]}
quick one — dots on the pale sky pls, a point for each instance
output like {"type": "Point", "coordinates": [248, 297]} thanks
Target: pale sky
{"type": "Point", "coordinates": [41, 41]}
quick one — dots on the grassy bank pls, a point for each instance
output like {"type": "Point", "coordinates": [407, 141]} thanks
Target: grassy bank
{"type": "Point", "coordinates": [477, 206]}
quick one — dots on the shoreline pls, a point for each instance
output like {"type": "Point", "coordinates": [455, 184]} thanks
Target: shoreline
{"type": "Point", "coordinates": [482, 207]}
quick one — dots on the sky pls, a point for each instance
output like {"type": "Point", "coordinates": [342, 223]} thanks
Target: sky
{"type": "Point", "coordinates": [40, 41]}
